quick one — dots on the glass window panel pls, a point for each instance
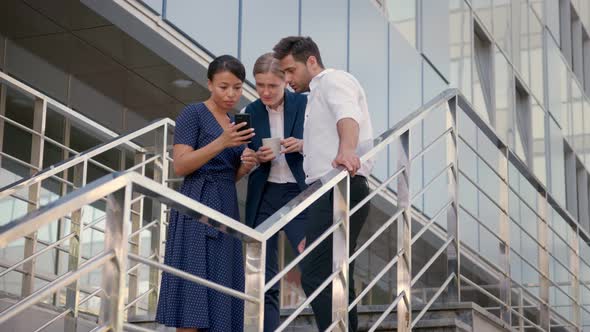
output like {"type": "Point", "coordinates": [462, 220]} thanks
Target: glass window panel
{"type": "Point", "coordinates": [315, 17]}
{"type": "Point", "coordinates": [402, 13]}
{"type": "Point", "coordinates": [552, 17]}
{"type": "Point", "coordinates": [483, 10]}
{"type": "Point", "coordinates": [435, 34]}
{"type": "Point", "coordinates": [504, 96]}
{"type": "Point", "coordinates": [482, 78]}
{"type": "Point", "coordinates": [368, 67]}
{"type": "Point", "coordinates": [460, 47]}
{"type": "Point", "coordinates": [536, 56]}
{"type": "Point", "coordinates": [555, 67]}
{"type": "Point", "coordinates": [539, 150]}
{"type": "Point", "coordinates": [503, 24]}
{"type": "Point", "coordinates": [577, 138]}
{"type": "Point", "coordinates": [522, 54]}
{"type": "Point", "coordinates": [557, 162]}
{"type": "Point", "coordinates": [195, 19]}
{"type": "Point", "coordinates": [260, 35]}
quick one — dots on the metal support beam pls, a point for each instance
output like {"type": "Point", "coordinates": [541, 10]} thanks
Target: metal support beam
{"type": "Point", "coordinates": [134, 245]}
{"type": "Point", "coordinates": [75, 254]}
{"type": "Point", "coordinates": [504, 232]}
{"type": "Point", "coordinates": [158, 212]}
{"type": "Point", "coordinates": [114, 275]}
{"type": "Point", "coordinates": [543, 233]}
{"type": "Point", "coordinates": [453, 250]}
{"type": "Point", "coordinates": [39, 114]}
{"type": "Point", "coordinates": [254, 270]}
{"type": "Point", "coordinates": [404, 235]}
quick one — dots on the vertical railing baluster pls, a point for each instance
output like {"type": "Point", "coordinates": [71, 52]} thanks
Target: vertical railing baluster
{"type": "Point", "coordinates": [114, 274]}
{"type": "Point", "coordinates": [158, 211]}
{"type": "Point", "coordinates": [75, 253]}
{"type": "Point", "coordinates": [505, 288]}
{"type": "Point", "coordinates": [453, 250]}
{"type": "Point", "coordinates": [404, 234]}
{"type": "Point", "coordinates": [542, 237]}
{"type": "Point", "coordinates": [134, 245]}
{"type": "Point", "coordinates": [575, 290]}
{"type": "Point", "coordinates": [39, 115]}
{"type": "Point", "coordinates": [254, 277]}
{"type": "Point", "coordinates": [340, 246]}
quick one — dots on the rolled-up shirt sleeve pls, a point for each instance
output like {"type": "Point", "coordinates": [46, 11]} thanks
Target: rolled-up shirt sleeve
{"type": "Point", "coordinates": [342, 97]}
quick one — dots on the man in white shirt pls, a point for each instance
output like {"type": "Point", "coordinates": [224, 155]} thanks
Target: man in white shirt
{"type": "Point", "coordinates": [337, 128]}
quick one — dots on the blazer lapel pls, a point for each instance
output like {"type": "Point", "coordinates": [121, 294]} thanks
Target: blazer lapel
{"type": "Point", "coordinates": [289, 115]}
{"type": "Point", "coordinates": [264, 130]}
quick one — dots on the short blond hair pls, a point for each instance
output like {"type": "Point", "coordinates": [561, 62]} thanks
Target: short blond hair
{"type": "Point", "coordinates": [267, 63]}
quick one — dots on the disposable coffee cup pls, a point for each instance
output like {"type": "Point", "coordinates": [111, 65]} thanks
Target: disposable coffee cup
{"type": "Point", "coordinates": [275, 145]}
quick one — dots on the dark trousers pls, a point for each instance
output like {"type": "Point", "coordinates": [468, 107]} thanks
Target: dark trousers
{"type": "Point", "coordinates": [275, 196]}
{"type": "Point", "coordinates": [317, 267]}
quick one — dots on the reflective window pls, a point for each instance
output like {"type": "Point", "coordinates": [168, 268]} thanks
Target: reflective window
{"type": "Point", "coordinates": [555, 72]}
{"type": "Point", "coordinates": [460, 50]}
{"type": "Point", "coordinates": [503, 24]}
{"type": "Point", "coordinates": [435, 34]}
{"type": "Point", "coordinates": [264, 23]}
{"type": "Point", "coordinates": [402, 13]}
{"type": "Point", "coordinates": [521, 53]}
{"type": "Point", "coordinates": [576, 137]}
{"type": "Point", "coordinates": [536, 56]}
{"type": "Point", "coordinates": [482, 77]}
{"type": "Point", "coordinates": [212, 23]}
{"type": "Point", "coordinates": [483, 10]}
{"type": "Point", "coordinates": [315, 16]}
{"type": "Point", "coordinates": [370, 67]}
{"type": "Point", "coordinates": [557, 176]}
{"type": "Point", "coordinates": [504, 93]}
{"type": "Point", "coordinates": [539, 151]}
{"type": "Point", "coordinates": [552, 18]}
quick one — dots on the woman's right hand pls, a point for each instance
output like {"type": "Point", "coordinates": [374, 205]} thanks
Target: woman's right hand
{"type": "Point", "coordinates": [232, 136]}
{"type": "Point", "coordinates": [265, 154]}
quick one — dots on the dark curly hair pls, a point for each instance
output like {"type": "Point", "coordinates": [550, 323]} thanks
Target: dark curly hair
{"type": "Point", "coordinates": [299, 47]}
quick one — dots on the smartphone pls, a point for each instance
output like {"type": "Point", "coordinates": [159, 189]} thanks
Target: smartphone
{"type": "Point", "coordinates": [243, 117]}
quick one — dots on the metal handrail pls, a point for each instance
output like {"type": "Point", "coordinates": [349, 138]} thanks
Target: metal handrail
{"type": "Point", "coordinates": [255, 238]}
{"type": "Point", "coordinates": [84, 157]}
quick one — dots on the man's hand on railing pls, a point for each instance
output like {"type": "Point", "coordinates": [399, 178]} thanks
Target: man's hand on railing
{"type": "Point", "coordinates": [349, 160]}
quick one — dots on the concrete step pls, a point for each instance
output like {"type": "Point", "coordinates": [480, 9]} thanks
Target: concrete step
{"type": "Point", "coordinates": [460, 317]}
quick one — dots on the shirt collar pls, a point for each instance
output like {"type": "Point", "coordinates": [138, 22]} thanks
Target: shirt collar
{"type": "Point", "coordinates": [316, 79]}
{"type": "Point", "coordinates": [279, 108]}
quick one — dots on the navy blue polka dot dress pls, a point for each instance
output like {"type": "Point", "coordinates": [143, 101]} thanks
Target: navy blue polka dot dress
{"type": "Point", "coordinates": [197, 248]}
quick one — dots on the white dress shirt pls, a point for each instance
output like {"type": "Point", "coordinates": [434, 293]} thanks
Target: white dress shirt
{"type": "Point", "coordinates": [279, 169]}
{"type": "Point", "coordinates": [334, 95]}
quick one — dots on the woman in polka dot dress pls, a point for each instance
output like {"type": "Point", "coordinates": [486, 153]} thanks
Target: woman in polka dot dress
{"type": "Point", "coordinates": [210, 153]}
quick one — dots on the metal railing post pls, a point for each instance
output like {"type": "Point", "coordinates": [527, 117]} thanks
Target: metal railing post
{"type": "Point", "coordinates": [404, 235]}
{"type": "Point", "coordinates": [254, 271]}
{"type": "Point", "coordinates": [158, 211]}
{"type": "Point", "coordinates": [543, 233]}
{"type": "Point", "coordinates": [575, 267]}
{"type": "Point", "coordinates": [453, 250]}
{"type": "Point", "coordinates": [136, 220]}
{"type": "Point", "coordinates": [39, 115]}
{"type": "Point", "coordinates": [340, 252]}
{"type": "Point", "coordinates": [505, 288]}
{"type": "Point", "coordinates": [75, 252]}
{"type": "Point", "coordinates": [114, 274]}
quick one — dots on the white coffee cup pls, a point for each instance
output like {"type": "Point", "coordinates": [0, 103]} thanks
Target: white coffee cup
{"type": "Point", "coordinates": [274, 143]}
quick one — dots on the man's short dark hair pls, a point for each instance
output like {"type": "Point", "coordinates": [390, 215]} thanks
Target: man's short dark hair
{"type": "Point", "coordinates": [299, 47]}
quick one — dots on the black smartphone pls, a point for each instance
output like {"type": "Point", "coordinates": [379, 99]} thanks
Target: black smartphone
{"type": "Point", "coordinates": [243, 117]}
